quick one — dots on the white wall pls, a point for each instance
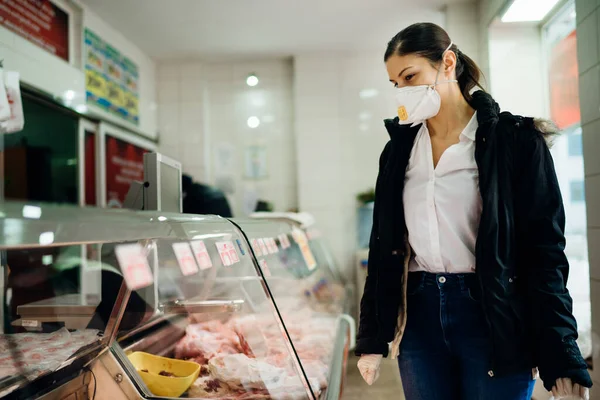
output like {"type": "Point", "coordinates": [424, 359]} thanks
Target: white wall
{"type": "Point", "coordinates": [516, 79]}
{"type": "Point", "coordinates": [339, 137]}
{"type": "Point", "coordinates": [55, 76]}
{"type": "Point", "coordinates": [203, 113]}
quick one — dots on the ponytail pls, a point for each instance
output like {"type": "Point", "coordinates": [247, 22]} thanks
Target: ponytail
{"type": "Point", "coordinates": [468, 74]}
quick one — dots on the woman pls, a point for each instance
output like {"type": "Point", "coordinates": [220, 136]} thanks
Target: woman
{"type": "Point", "coordinates": [467, 272]}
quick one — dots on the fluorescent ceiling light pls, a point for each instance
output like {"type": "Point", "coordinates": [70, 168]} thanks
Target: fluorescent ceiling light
{"type": "Point", "coordinates": [528, 10]}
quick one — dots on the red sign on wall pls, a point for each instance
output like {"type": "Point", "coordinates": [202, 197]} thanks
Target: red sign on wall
{"type": "Point", "coordinates": [124, 164]}
{"type": "Point", "coordinates": [38, 21]}
{"type": "Point", "coordinates": [564, 82]}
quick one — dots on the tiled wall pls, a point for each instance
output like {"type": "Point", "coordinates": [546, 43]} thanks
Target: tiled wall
{"type": "Point", "coordinates": [340, 102]}
{"type": "Point", "coordinates": [588, 41]}
{"type": "Point", "coordinates": [203, 112]}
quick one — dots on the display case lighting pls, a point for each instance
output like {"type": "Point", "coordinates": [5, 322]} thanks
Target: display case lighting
{"type": "Point", "coordinates": [528, 10]}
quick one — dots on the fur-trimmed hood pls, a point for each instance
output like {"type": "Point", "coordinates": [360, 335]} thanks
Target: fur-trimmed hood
{"type": "Point", "coordinates": [488, 111]}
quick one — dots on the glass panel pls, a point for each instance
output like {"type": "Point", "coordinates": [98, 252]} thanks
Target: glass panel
{"type": "Point", "coordinates": [41, 160]}
{"type": "Point", "coordinates": [308, 297]}
{"type": "Point", "coordinates": [213, 312]}
{"type": "Point", "coordinates": [52, 311]}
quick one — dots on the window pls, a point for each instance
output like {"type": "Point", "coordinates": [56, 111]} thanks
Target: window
{"type": "Point", "coordinates": [577, 191]}
{"type": "Point", "coordinates": [575, 145]}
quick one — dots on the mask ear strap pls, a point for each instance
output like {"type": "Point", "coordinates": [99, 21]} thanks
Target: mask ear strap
{"type": "Point", "coordinates": [437, 76]}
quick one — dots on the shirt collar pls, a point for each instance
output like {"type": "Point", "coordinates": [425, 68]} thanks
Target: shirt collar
{"type": "Point", "coordinates": [471, 128]}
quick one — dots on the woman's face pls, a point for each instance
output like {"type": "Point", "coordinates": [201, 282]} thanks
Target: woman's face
{"type": "Point", "coordinates": [414, 70]}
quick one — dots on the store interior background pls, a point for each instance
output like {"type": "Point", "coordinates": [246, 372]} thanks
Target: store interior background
{"type": "Point", "coordinates": [320, 101]}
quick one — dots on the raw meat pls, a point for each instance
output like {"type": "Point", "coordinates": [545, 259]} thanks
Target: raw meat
{"type": "Point", "coordinates": [201, 345]}
{"type": "Point", "coordinates": [242, 372]}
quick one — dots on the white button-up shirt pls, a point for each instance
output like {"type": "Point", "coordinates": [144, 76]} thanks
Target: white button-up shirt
{"type": "Point", "coordinates": [442, 205]}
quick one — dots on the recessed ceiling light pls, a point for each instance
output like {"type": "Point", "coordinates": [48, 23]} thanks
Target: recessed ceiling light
{"type": "Point", "coordinates": [528, 10]}
{"type": "Point", "coordinates": [253, 122]}
{"type": "Point", "coordinates": [252, 80]}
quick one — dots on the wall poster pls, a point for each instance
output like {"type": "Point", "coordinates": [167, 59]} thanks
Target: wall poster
{"type": "Point", "coordinates": [111, 79]}
{"type": "Point", "coordinates": [124, 164]}
{"type": "Point", "coordinates": [39, 21]}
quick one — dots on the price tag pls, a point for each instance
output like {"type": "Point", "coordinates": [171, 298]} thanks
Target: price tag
{"type": "Point", "coordinates": [29, 323]}
{"type": "Point", "coordinates": [307, 254]}
{"type": "Point", "coordinates": [274, 248]}
{"type": "Point", "coordinates": [284, 241]}
{"type": "Point", "coordinates": [201, 254]}
{"type": "Point", "coordinates": [185, 258]}
{"type": "Point", "coordinates": [299, 236]}
{"type": "Point", "coordinates": [256, 248]}
{"type": "Point", "coordinates": [265, 268]}
{"type": "Point", "coordinates": [134, 265]}
{"type": "Point", "coordinates": [263, 247]}
{"type": "Point", "coordinates": [269, 245]}
{"type": "Point", "coordinates": [227, 253]}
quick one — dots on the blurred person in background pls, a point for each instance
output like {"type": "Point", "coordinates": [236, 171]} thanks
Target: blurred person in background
{"type": "Point", "coordinates": [467, 272]}
{"type": "Point", "coordinates": [203, 199]}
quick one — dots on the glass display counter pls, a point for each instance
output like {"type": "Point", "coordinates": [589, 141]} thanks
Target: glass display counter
{"type": "Point", "coordinates": [60, 288]}
{"type": "Point", "coordinates": [309, 299]}
{"type": "Point", "coordinates": [216, 326]}
{"type": "Point", "coordinates": [139, 305]}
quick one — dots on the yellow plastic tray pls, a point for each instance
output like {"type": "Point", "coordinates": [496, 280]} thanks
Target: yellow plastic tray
{"type": "Point", "coordinates": [185, 372]}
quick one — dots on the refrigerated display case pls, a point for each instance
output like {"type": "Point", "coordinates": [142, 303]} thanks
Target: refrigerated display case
{"type": "Point", "coordinates": [207, 318]}
{"type": "Point", "coordinates": [319, 248]}
{"type": "Point", "coordinates": [310, 300]}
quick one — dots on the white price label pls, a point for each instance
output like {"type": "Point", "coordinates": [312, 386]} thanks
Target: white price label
{"type": "Point", "coordinates": [274, 248]}
{"type": "Point", "coordinates": [265, 268]}
{"type": "Point", "coordinates": [284, 241]}
{"type": "Point", "coordinates": [227, 253]}
{"type": "Point", "coordinates": [29, 323]}
{"type": "Point", "coordinates": [134, 266]}
{"type": "Point", "coordinates": [201, 254]}
{"type": "Point", "coordinates": [263, 247]}
{"type": "Point", "coordinates": [256, 248]}
{"type": "Point", "coordinates": [185, 258]}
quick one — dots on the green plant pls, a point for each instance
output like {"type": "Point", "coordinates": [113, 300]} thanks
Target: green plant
{"type": "Point", "coordinates": [366, 197]}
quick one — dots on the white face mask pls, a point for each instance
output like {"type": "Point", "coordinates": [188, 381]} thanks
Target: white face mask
{"type": "Point", "coordinates": [416, 104]}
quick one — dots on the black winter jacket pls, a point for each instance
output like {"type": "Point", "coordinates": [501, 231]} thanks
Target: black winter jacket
{"type": "Point", "coordinates": [521, 264]}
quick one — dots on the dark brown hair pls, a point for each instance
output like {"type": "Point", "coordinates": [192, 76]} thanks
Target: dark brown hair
{"type": "Point", "coordinates": [429, 40]}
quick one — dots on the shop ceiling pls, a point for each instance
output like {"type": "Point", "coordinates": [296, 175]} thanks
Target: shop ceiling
{"type": "Point", "coordinates": [173, 29]}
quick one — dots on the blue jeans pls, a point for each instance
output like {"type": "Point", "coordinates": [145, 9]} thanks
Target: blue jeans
{"type": "Point", "coordinates": [445, 353]}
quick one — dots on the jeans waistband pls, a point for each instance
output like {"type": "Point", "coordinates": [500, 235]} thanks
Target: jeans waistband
{"type": "Point", "coordinates": [446, 281]}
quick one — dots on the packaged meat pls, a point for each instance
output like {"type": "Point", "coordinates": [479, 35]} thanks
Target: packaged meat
{"type": "Point", "coordinates": [241, 372]}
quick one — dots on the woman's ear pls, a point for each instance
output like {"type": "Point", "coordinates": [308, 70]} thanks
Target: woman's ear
{"type": "Point", "coordinates": [449, 60]}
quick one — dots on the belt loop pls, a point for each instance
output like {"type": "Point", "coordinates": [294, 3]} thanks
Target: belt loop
{"type": "Point", "coordinates": [461, 280]}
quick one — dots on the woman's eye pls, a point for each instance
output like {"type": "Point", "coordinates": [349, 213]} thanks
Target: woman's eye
{"type": "Point", "coordinates": [408, 78]}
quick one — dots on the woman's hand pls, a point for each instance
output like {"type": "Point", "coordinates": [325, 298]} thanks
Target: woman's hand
{"type": "Point", "coordinates": [368, 365]}
{"type": "Point", "coordinates": [565, 389]}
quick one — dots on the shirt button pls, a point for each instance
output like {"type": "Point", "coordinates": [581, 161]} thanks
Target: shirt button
{"type": "Point", "coordinates": [491, 373]}
{"type": "Point", "coordinates": [442, 279]}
